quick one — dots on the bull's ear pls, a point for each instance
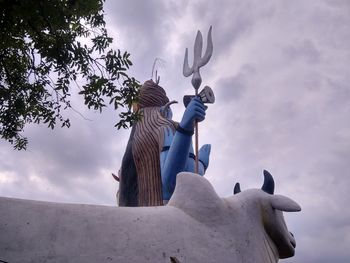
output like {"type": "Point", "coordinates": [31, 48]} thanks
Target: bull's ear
{"type": "Point", "coordinates": [164, 110]}
{"type": "Point", "coordinates": [115, 177]}
{"type": "Point", "coordinates": [283, 203]}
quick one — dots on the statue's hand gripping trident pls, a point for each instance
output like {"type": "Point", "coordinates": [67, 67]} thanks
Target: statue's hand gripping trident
{"type": "Point", "coordinates": [198, 62]}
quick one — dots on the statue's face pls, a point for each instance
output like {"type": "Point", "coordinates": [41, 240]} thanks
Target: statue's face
{"type": "Point", "coordinates": [169, 114]}
{"type": "Point", "coordinates": [166, 110]}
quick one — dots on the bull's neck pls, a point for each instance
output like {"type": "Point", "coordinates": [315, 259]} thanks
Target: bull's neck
{"type": "Point", "coordinates": [271, 250]}
{"type": "Point", "coordinates": [255, 238]}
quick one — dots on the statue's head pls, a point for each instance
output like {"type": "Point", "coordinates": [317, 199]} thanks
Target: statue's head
{"type": "Point", "coordinates": [151, 95]}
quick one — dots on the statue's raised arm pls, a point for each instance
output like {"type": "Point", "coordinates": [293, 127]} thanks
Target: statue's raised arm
{"type": "Point", "coordinates": [180, 156]}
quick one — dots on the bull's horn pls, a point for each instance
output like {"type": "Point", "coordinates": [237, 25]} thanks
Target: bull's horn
{"type": "Point", "coordinates": [236, 189]}
{"type": "Point", "coordinates": [269, 184]}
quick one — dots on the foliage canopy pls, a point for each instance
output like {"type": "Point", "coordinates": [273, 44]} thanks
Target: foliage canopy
{"type": "Point", "coordinates": [46, 49]}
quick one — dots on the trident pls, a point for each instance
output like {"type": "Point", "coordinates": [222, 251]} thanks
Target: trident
{"type": "Point", "coordinates": [198, 62]}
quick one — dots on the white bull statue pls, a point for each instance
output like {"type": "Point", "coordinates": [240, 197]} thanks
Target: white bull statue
{"type": "Point", "coordinates": [196, 226]}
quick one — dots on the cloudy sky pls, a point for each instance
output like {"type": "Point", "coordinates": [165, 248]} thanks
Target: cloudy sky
{"type": "Point", "coordinates": [280, 73]}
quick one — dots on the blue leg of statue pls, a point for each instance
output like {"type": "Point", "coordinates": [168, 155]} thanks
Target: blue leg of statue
{"type": "Point", "coordinates": [177, 159]}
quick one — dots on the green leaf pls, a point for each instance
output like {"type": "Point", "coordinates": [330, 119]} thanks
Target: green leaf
{"type": "Point", "coordinates": [48, 49]}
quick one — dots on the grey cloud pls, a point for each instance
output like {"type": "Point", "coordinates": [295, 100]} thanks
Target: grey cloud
{"type": "Point", "coordinates": [233, 88]}
{"type": "Point", "coordinates": [305, 50]}
{"type": "Point", "coordinates": [232, 20]}
{"type": "Point", "coordinates": [70, 162]}
{"type": "Point", "coordinates": [73, 151]}
{"type": "Point", "coordinates": [340, 4]}
{"type": "Point", "coordinates": [318, 229]}
{"type": "Point", "coordinates": [339, 93]}
{"type": "Point", "coordinates": [143, 25]}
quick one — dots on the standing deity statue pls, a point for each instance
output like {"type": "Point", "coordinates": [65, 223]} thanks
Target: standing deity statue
{"type": "Point", "coordinates": [159, 148]}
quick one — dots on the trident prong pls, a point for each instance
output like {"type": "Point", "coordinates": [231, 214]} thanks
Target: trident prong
{"type": "Point", "coordinates": [198, 60]}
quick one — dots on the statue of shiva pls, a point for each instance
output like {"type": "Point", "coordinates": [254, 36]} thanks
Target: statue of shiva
{"type": "Point", "coordinates": [159, 148]}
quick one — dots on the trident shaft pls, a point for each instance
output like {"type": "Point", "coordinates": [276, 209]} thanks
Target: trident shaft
{"type": "Point", "coordinates": [198, 62]}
